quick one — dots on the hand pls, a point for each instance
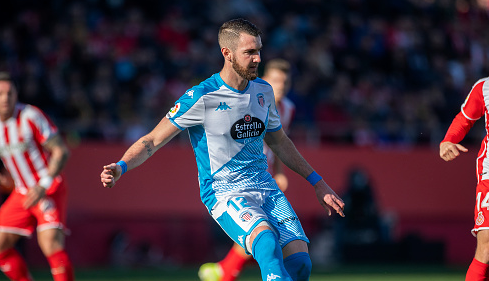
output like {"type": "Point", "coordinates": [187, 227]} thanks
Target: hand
{"type": "Point", "coordinates": [329, 199]}
{"type": "Point", "coordinates": [33, 196]}
{"type": "Point", "coordinates": [282, 181]}
{"type": "Point", "coordinates": [110, 175]}
{"type": "Point", "coordinates": [450, 151]}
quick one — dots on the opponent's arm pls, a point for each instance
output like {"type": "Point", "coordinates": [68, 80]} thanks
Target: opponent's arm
{"type": "Point", "coordinates": [59, 155]}
{"type": "Point", "coordinates": [472, 109]}
{"type": "Point", "coordinates": [286, 151]}
{"type": "Point", "coordinates": [140, 151]}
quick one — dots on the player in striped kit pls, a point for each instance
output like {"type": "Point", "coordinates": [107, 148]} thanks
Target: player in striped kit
{"type": "Point", "coordinates": [34, 154]}
{"type": "Point", "coordinates": [228, 117]}
{"type": "Point", "coordinates": [277, 73]}
{"type": "Point", "coordinates": [475, 106]}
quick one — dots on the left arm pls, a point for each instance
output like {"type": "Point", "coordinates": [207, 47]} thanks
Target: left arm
{"type": "Point", "coordinates": [286, 151]}
{"type": "Point", "coordinates": [59, 155]}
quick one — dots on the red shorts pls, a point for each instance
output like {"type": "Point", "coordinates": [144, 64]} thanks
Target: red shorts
{"type": "Point", "coordinates": [49, 213]}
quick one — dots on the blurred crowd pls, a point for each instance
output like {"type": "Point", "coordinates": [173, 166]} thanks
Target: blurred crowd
{"type": "Point", "coordinates": [365, 72]}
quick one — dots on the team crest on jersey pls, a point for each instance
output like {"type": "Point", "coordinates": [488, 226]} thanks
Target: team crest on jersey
{"type": "Point", "coordinates": [480, 219]}
{"type": "Point", "coordinates": [261, 99]}
{"type": "Point", "coordinates": [247, 129]}
{"type": "Point", "coordinates": [174, 110]}
{"type": "Point", "coordinates": [245, 216]}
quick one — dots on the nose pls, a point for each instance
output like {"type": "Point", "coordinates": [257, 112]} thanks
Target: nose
{"type": "Point", "coordinates": [257, 58]}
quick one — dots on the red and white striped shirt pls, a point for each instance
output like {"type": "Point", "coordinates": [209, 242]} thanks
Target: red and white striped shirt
{"type": "Point", "coordinates": [21, 140]}
{"type": "Point", "coordinates": [476, 105]}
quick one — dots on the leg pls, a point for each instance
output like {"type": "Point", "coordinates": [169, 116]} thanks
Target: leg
{"type": "Point", "coordinates": [11, 262]}
{"type": "Point", "coordinates": [267, 252]}
{"type": "Point", "coordinates": [479, 268]}
{"type": "Point", "coordinates": [292, 237]}
{"type": "Point", "coordinates": [297, 260]}
{"type": "Point", "coordinates": [51, 242]}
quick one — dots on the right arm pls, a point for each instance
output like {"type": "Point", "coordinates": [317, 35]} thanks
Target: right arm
{"type": "Point", "coordinates": [472, 109]}
{"type": "Point", "coordinates": [450, 147]}
{"type": "Point", "coordinates": [140, 151]}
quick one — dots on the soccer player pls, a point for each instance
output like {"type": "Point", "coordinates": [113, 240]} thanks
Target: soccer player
{"type": "Point", "coordinates": [474, 107]}
{"type": "Point", "coordinates": [34, 154]}
{"type": "Point", "coordinates": [277, 74]}
{"type": "Point", "coordinates": [228, 116]}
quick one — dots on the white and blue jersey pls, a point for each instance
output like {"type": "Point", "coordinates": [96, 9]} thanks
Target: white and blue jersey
{"type": "Point", "coordinates": [226, 129]}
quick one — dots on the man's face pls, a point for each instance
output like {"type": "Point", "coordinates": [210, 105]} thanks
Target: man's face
{"type": "Point", "coordinates": [279, 81]}
{"type": "Point", "coordinates": [8, 99]}
{"type": "Point", "coordinates": [246, 57]}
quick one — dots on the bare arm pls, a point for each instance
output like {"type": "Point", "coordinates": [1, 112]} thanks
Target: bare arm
{"type": "Point", "coordinates": [59, 155]}
{"type": "Point", "coordinates": [286, 151]}
{"type": "Point", "coordinates": [279, 175]}
{"type": "Point", "coordinates": [140, 151]}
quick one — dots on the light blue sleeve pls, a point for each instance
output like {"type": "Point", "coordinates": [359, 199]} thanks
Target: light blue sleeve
{"type": "Point", "coordinates": [188, 111]}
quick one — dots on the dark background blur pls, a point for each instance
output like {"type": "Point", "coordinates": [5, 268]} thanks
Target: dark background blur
{"type": "Point", "coordinates": [368, 73]}
{"type": "Point", "coordinates": [376, 84]}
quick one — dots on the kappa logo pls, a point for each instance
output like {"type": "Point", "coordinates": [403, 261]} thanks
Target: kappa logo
{"type": "Point", "coordinates": [223, 106]}
{"type": "Point", "coordinates": [190, 94]}
{"type": "Point", "coordinates": [272, 276]}
{"type": "Point", "coordinates": [240, 239]}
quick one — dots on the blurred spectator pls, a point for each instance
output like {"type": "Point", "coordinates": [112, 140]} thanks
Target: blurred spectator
{"type": "Point", "coordinates": [371, 73]}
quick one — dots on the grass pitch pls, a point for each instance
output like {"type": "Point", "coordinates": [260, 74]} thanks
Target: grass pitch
{"type": "Point", "coordinates": [345, 273]}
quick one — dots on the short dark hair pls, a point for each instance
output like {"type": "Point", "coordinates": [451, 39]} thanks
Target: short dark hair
{"type": "Point", "coordinates": [5, 76]}
{"type": "Point", "coordinates": [279, 64]}
{"type": "Point", "coordinates": [230, 31]}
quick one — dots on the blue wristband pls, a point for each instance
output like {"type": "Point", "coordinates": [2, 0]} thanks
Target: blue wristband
{"type": "Point", "coordinates": [123, 166]}
{"type": "Point", "coordinates": [314, 178]}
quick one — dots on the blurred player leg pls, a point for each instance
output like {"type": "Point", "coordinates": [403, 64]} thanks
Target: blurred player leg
{"type": "Point", "coordinates": [11, 262]}
{"type": "Point", "coordinates": [228, 269]}
{"type": "Point", "coordinates": [51, 242]}
{"type": "Point", "coordinates": [479, 269]}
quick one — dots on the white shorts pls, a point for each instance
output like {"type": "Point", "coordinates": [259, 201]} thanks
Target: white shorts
{"type": "Point", "coordinates": [239, 213]}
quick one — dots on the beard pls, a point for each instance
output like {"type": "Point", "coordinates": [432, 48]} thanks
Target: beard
{"type": "Point", "coordinates": [244, 72]}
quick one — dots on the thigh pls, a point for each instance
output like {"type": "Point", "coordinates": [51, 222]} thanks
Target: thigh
{"type": "Point", "coordinates": [51, 240]}
{"type": "Point", "coordinates": [14, 218]}
{"type": "Point", "coordinates": [239, 213]}
{"type": "Point", "coordinates": [284, 220]}
{"type": "Point", "coordinates": [50, 212]}
{"type": "Point", "coordinates": [295, 246]}
{"type": "Point", "coordinates": [8, 240]}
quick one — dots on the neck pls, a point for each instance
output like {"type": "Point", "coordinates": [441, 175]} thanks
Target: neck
{"type": "Point", "coordinates": [232, 79]}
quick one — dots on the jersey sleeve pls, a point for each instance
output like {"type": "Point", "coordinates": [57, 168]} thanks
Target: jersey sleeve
{"type": "Point", "coordinates": [273, 117]}
{"type": "Point", "coordinates": [472, 109]}
{"type": "Point", "coordinates": [188, 111]}
{"type": "Point", "coordinates": [43, 128]}
{"type": "Point", "coordinates": [474, 106]}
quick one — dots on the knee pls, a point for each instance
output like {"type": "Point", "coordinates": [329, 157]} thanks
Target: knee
{"type": "Point", "coordinates": [265, 245]}
{"type": "Point", "coordinates": [298, 266]}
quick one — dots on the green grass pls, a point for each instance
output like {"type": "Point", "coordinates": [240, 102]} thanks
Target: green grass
{"type": "Point", "coordinates": [346, 273]}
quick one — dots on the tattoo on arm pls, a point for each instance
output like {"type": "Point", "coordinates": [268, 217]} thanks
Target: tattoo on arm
{"type": "Point", "coordinates": [148, 148]}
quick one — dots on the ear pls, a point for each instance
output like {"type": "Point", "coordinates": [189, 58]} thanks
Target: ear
{"type": "Point", "coordinates": [226, 53]}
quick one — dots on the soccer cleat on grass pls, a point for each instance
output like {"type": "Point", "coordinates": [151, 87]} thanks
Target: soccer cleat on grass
{"type": "Point", "coordinates": [210, 272]}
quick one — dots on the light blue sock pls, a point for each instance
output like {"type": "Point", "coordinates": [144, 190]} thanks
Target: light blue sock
{"type": "Point", "coordinates": [266, 251]}
{"type": "Point", "coordinates": [298, 266]}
